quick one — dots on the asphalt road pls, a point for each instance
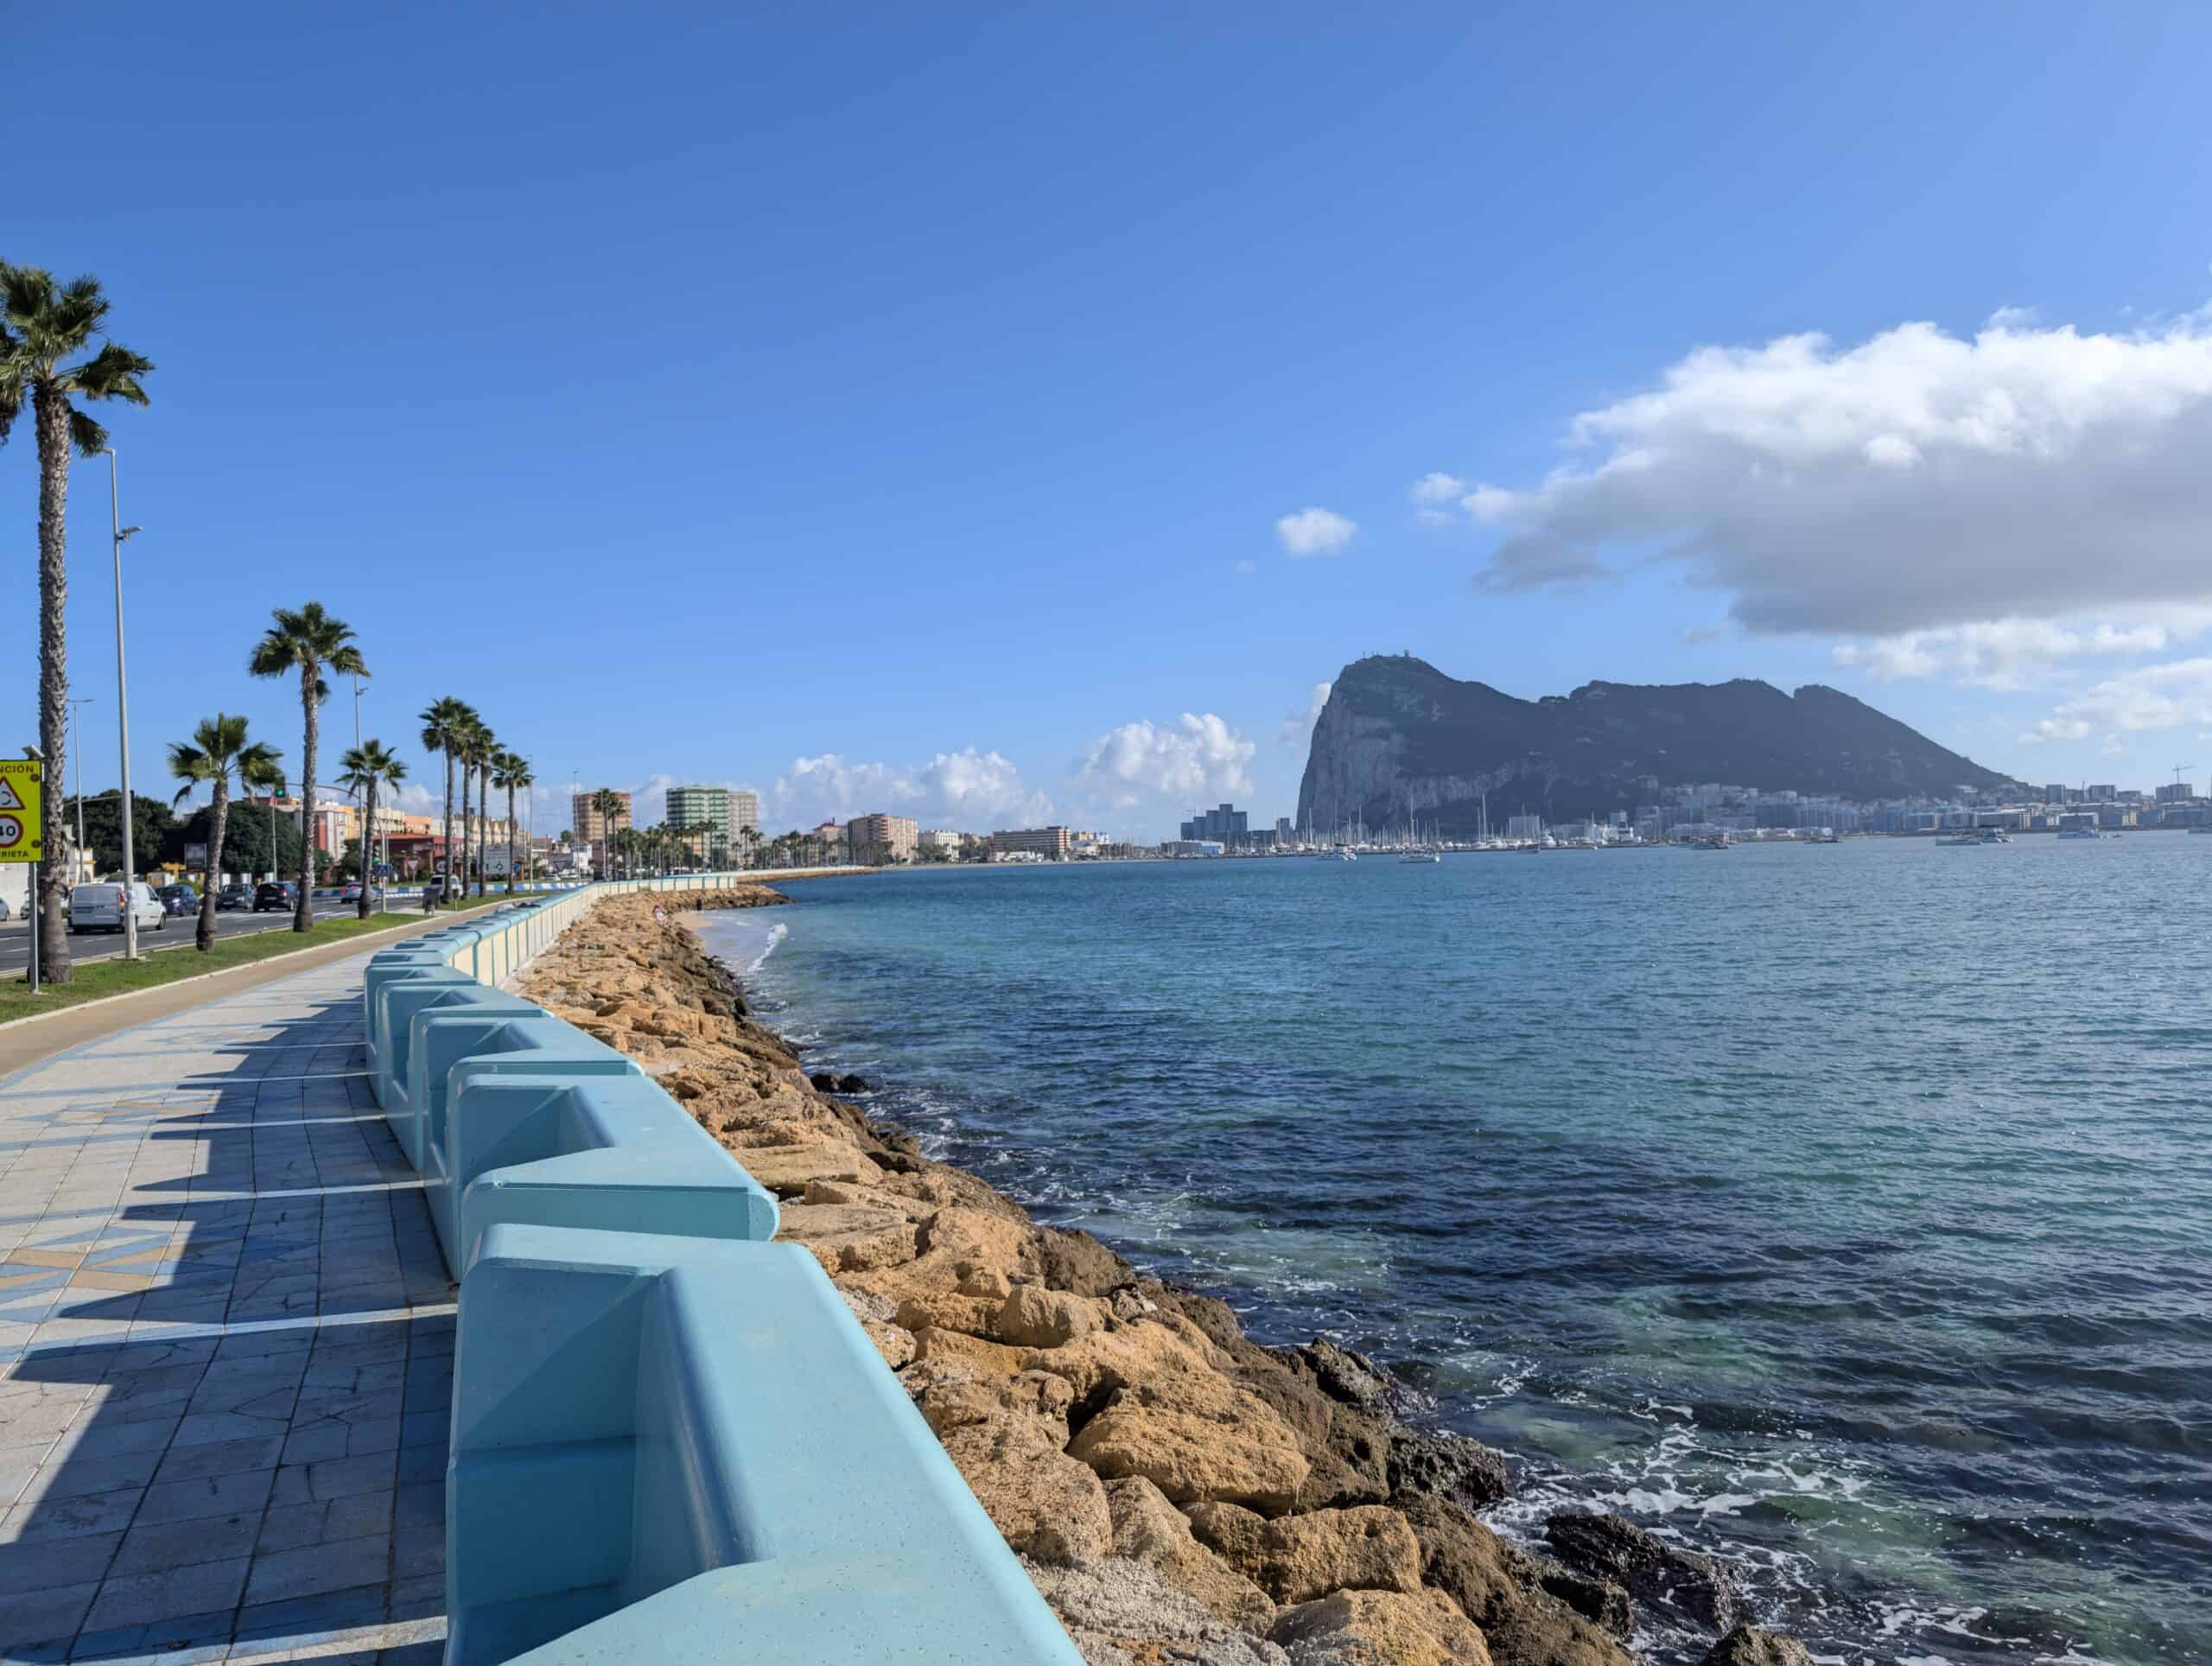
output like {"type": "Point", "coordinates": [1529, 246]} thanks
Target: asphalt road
{"type": "Point", "coordinates": [15, 934]}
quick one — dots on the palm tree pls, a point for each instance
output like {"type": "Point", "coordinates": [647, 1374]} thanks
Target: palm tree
{"type": "Point", "coordinates": [363, 770]}
{"type": "Point", "coordinates": [309, 641]}
{"type": "Point", "coordinates": [444, 723]}
{"type": "Point", "coordinates": [608, 804]}
{"type": "Point", "coordinates": [466, 748]}
{"type": "Point", "coordinates": [512, 772]}
{"type": "Point", "coordinates": [485, 750]}
{"type": "Point", "coordinates": [218, 746]}
{"type": "Point", "coordinates": [43, 326]}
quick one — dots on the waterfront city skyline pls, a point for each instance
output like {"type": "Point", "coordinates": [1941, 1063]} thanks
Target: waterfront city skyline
{"type": "Point", "coordinates": [1105, 448]}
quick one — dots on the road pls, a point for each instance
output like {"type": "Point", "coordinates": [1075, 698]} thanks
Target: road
{"type": "Point", "coordinates": [14, 935]}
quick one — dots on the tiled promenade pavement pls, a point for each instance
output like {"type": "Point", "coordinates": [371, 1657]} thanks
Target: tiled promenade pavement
{"type": "Point", "coordinates": [226, 1347]}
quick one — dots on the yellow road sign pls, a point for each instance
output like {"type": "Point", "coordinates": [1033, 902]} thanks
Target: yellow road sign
{"type": "Point", "coordinates": [20, 792]}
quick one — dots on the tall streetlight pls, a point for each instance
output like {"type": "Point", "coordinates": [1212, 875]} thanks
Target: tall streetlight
{"type": "Point", "coordinates": [77, 746]}
{"type": "Point", "coordinates": [122, 715]}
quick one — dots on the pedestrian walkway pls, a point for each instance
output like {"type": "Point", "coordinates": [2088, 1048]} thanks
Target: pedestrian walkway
{"type": "Point", "coordinates": [226, 1346]}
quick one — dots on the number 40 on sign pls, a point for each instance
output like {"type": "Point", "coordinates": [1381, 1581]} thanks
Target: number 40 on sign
{"type": "Point", "coordinates": [20, 788]}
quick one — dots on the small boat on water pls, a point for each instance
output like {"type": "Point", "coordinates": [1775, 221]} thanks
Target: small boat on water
{"type": "Point", "coordinates": [1341, 853]}
{"type": "Point", "coordinates": [1422, 855]}
{"type": "Point", "coordinates": [1710, 842]}
{"type": "Point", "coordinates": [1979, 835]}
{"type": "Point", "coordinates": [2086, 833]}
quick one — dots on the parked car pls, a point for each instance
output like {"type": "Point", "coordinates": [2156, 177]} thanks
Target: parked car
{"type": "Point", "coordinates": [99, 907]}
{"type": "Point", "coordinates": [351, 892]}
{"type": "Point", "coordinates": [274, 894]}
{"type": "Point", "coordinates": [179, 900]}
{"type": "Point", "coordinates": [237, 894]}
{"type": "Point", "coordinates": [4, 913]}
{"type": "Point", "coordinates": [433, 890]}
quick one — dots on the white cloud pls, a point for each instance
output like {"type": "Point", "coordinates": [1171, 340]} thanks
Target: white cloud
{"type": "Point", "coordinates": [411, 797]}
{"type": "Point", "coordinates": [1297, 727]}
{"type": "Point", "coordinates": [2015, 653]}
{"type": "Point", "coordinates": [1917, 481]}
{"type": "Point", "coordinates": [1314, 532]}
{"type": "Point", "coordinates": [1199, 757]}
{"type": "Point", "coordinates": [1437, 487]}
{"type": "Point", "coordinates": [964, 789]}
{"type": "Point", "coordinates": [2149, 697]}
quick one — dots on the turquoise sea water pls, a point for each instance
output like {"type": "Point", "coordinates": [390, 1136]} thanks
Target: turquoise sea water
{"type": "Point", "coordinates": [1844, 1209]}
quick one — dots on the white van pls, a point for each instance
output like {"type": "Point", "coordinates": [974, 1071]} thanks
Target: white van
{"type": "Point", "coordinates": [99, 907]}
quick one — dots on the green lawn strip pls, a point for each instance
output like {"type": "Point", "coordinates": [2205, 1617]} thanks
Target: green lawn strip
{"type": "Point", "coordinates": [115, 976]}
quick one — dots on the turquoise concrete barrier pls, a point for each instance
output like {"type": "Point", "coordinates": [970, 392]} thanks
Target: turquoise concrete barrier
{"type": "Point", "coordinates": [666, 1449]}
{"type": "Point", "coordinates": [613, 1154]}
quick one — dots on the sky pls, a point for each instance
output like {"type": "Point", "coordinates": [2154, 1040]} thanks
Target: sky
{"type": "Point", "coordinates": [1010, 414]}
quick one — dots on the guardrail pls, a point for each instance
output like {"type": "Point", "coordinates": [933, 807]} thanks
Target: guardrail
{"type": "Point", "coordinates": [670, 1438]}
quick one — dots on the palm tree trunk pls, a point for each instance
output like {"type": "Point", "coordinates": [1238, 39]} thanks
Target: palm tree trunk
{"type": "Point", "coordinates": [448, 849]}
{"type": "Point", "coordinates": [304, 913]}
{"type": "Point", "coordinates": [467, 777]}
{"type": "Point", "coordinates": [204, 937]}
{"type": "Point", "coordinates": [368, 838]}
{"type": "Point", "coordinates": [484, 815]}
{"type": "Point", "coordinates": [511, 841]}
{"type": "Point", "coordinates": [53, 421]}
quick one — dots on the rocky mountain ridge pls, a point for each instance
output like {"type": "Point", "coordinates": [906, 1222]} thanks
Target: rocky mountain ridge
{"type": "Point", "coordinates": [1400, 742]}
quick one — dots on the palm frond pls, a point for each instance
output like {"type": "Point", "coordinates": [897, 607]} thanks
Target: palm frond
{"type": "Point", "coordinates": [87, 436]}
{"type": "Point", "coordinates": [113, 373]}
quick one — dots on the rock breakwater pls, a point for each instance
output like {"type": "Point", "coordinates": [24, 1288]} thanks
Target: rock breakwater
{"type": "Point", "coordinates": [1178, 1492]}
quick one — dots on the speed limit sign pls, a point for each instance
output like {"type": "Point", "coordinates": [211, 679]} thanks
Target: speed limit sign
{"type": "Point", "coordinates": [11, 832]}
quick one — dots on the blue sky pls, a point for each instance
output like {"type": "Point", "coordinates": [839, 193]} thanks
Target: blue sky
{"type": "Point", "coordinates": [822, 402]}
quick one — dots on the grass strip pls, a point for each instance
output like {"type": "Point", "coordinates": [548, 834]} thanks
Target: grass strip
{"type": "Point", "coordinates": [97, 979]}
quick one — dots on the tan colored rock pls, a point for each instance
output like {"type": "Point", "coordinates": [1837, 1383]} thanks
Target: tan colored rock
{"type": "Point", "coordinates": [986, 1359]}
{"type": "Point", "coordinates": [1500, 1587]}
{"type": "Point", "coordinates": [1149, 1528]}
{"type": "Point", "coordinates": [895, 1344]}
{"type": "Point", "coordinates": [986, 1282]}
{"type": "Point", "coordinates": [785, 1169]}
{"type": "Point", "coordinates": [1099, 1364]}
{"type": "Point", "coordinates": [1048, 1505]}
{"type": "Point", "coordinates": [1380, 1628]}
{"type": "Point", "coordinates": [849, 1239]}
{"type": "Point", "coordinates": [971, 1315]}
{"type": "Point", "coordinates": [1296, 1559]}
{"type": "Point", "coordinates": [1195, 1436]}
{"type": "Point", "coordinates": [1034, 1317]}
{"type": "Point", "coordinates": [859, 1194]}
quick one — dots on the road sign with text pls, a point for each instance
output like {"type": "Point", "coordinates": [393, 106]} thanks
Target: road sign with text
{"type": "Point", "coordinates": [20, 792]}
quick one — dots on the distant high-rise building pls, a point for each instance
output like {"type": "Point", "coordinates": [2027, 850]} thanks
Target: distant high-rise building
{"type": "Point", "coordinates": [894, 835]}
{"type": "Point", "coordinates": [1048, 842]}
{"type": "Point", "coordinates": [2102, 795]}
{"type": "Point", "coordinates": [1282, 830]}
{"type": "Point", "coordinates": [1226, 825]}
{"type": "Point", "coordinates": [2054, 794]}
{"type": "Point", "coordinates": [590, 826]}
{"type": "Point", "coordinates": [744, 810]}
{"type": "Point", "coordinates": [701, 806]}
{"type": "Point", "coordinates": [2177, 793]}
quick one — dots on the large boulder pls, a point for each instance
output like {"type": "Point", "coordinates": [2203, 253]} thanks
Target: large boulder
{"type": "Point", "coordinates": [1122, 1612]}
{"type": "Point", "coordinates": [1653, 1571]}
{"type": "Point", "coordinates": [1380, 1628]}
{"type": "Point", "coordinates": [1048, 1505]}
{"type": "Point", "coordinates": [1195, 1436]}
{"type": "Point", "coordinates": [1344, 1375]}
{"type": "Point", "coordinates": [1501, 1588]}
{"type": "Point", "coordinates": [1451, 1467]}
{"type": "Point", "coordinates": [1748, 1645]}
{"type": "Point", "coordinates": [846, 1239]}
{"type": "Point", "coordinates": [1149, 1528]}
{"type": "Point", "coordinates": [1296, 1559]}
{"type": "Point", "coordinates": [1034, 1317]}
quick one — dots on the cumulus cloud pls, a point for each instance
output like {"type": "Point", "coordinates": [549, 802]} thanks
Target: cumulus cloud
{"type": "Point", "coordinates": [964, 789]}
{"type": "Point", "coordinates": [2016, 654]}
{"type": "Point", "coordinates": [1297, 727]}
{"type": "Point", "coordinates": [1314, 532]}
{"type": "Point", "coordinates": [2149, 697]}
{"type": "Point", "coordinates": [1200, 756]}
{"type": "Point", "coordinates": [1437, 487]}
{"type": "Point", "coordinates": [1914, 482]}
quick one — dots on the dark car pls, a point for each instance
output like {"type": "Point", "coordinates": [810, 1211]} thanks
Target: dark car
{"type": "Point", "coordinates": [273, 893]}
{"type": "Point", "coordinates": [178, 899]}
{"type": "Point", "coordinates": [237, 894]}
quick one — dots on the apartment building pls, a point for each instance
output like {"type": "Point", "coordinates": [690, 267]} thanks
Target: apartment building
{"type": "Point", "coordinates": [894, 836]}
{"type": "Point", "coordinates": [1050, 843]}
{"type": "Point", "coordinates": [588, 824]}
{"type": "Point", "coordinates": [701, 806]}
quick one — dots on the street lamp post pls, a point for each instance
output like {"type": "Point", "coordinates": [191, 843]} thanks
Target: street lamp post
{"type": "Point", "coordinates": [77, 746]}
{"type": "Point", "coordinates": [122, 715]}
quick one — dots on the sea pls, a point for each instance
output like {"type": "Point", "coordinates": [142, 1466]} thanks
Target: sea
{"type": "Point", "coordinates": [1844, 1210]}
